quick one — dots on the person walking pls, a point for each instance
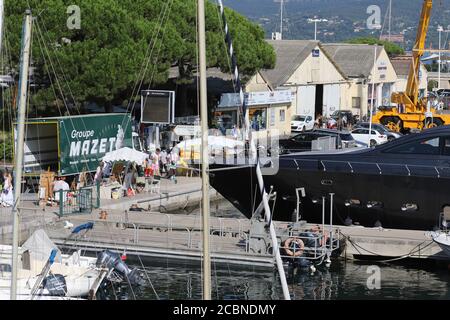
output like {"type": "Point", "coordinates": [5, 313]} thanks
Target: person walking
{"type": "Point", "coordinates": [173, 160]}
{"type": "Point", "coordinates": [98, 178]}
{"type": "Point", "coordinates": [163, 161]}
{"type": "Point", "coordinates": [7, 197]}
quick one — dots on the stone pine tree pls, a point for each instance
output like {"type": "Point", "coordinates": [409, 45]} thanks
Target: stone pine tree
{"type": "Point", "coordinates": [100, 62]}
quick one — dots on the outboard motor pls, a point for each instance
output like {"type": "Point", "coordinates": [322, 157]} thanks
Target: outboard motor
{"type": "Point", "coordinates": [56, 285]}
{"type": "Point", "coordinates": [113, 261]}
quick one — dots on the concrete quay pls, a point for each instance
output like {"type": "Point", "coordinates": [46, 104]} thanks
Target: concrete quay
{"type": "Point", "coordinates": [158, 233]}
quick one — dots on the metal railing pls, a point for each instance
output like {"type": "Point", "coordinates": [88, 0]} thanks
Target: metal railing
{"type": "Point", "coordinates": [368, 167]}
{"type": "Point", "coordinates": [81, 201]}
{"type": "Point", "coordinates": [227, 236]}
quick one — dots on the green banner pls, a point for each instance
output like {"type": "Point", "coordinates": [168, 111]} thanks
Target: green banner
{"type": "Point", "coordinates": [84, 140]}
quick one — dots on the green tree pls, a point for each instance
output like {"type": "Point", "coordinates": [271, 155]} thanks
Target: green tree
{"type": "Point", "coordinates": [102, 61]}
{"type": "Point", "coordinates": [391, 48]}
{"type": "Point", "coordinates": [432, 84]}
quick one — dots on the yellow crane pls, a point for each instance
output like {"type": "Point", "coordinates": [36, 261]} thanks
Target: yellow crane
{"type": "Point", "coordinates": [412, 112]}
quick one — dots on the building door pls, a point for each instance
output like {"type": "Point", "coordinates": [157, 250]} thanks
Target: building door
{"type": "Point", "coordinates": [386, 93]}
{"type": "Point", "coordinates": [331, 99]}
{"type": "Point", "coordinates": [306, 100]}
{"type": "Point", "coordinates": [319, 100]}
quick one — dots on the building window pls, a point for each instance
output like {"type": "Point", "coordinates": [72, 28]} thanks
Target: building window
{"type": "Point", "coordinates": [258, 119]}
{"type": "Point", "coordinates": [356, 102]}
{"type": "Point", "coordinates": [282, 115]}
{"type": "Point", "coordinates": [272, 117]}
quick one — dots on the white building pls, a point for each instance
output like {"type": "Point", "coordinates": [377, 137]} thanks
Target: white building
{"type": "Point", "coordinates": [357, 63]}
{"type": "Point", "coordinates": [402, 65]}
{"type": "Point", "coordinates": [304, 68]}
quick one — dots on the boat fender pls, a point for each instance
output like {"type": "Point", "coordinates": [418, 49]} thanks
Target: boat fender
{"type": "Point", "coordinates": [86, 226]}
{"type": "Point", "coordinates": [56, 285]}
{"type": "Point", "coordinates": [294, 247]}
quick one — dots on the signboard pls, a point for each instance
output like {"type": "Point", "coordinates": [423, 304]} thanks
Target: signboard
{"type": "Point", "coordinates": [157, 106]}
{"type": "Point", "coordinates": [85, 140]}
{"type": "Point", "coordinates": [256, 98]}
{"type": "Point", "coordinates": [316, 53]}
{"type": "Point", "coordinates": [186, 130]}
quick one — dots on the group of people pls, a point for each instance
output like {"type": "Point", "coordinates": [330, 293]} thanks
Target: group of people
{"type": "Point", "coordinates": [161, 163]}
{"type": "Point", "coordinates": [331, 123]}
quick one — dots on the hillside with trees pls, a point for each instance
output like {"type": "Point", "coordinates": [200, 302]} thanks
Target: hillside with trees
{"type": "Point", "coordinates": [346, 18]}
{"type": "Point", "coordinates": [118, 40]}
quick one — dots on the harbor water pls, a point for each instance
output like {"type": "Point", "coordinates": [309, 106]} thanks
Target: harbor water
{"type": "Point", "coordinates": [343, 280]}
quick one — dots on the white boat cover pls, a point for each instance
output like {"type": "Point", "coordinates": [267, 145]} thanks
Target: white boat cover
{"type": "Point", "coordinates": [126, 154]}
{"type": "Point", "coordinates": [40, 246]}
{"type": "Point", "coordinates": [214, 142]}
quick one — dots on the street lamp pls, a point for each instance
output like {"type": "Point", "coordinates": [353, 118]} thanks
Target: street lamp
{"type": "Point", "coordinates": [315, 21]}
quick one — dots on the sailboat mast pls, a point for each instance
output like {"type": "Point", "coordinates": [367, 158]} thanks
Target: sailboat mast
{"type": "Point", "coordinates": [2, 16]}
{"type": "Point", "coordinates": [390, 19]}
{"type": "Point", "coordinates": [205, 156]}
{"type": "Point", "coordinates": [253, 154]}
{"type": "Point", "coordinates": [21, 106]}
{"type": "Point", "coordinates": [281, 22]}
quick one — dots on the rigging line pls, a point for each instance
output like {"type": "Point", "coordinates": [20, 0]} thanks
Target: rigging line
{"type": "Point", "coordinates": [239, 116]}
{"type": "Point", "coordinates": [197, 60]}
{"type": "Point", "coordinates": [149, 51]}
{"type": "Point", "coordinates": [56, 99]}
{"type": "Point", "coordinates": [42, 45]}
{"type": "Point", "coordinates": [216, 279]}
{"type": "Point", "coordinates": [62, 70]}
{"type": "Point", "coordinates": [146, 274]}
{"type": "Point", "coordinates": [58, 82]}
{"type": "Point", "coordinates": [145, 64]}
{"type": "Point", "coordinates": [155, 67]}
{"type": "Point", "coordinates": [231, 52]}
{"type": "Point", "coordinates": [65, 78]}
{"type": "Point", "coordinates": [117, 248]}
{"type": "Point", "coordinates": [3, 110]}
{"type": "Point", "coordinates": [228, 59]}
{"type": "Point", "coordinates": [384, 23]}
{"type": "Point", "coordinates": [10, 92]}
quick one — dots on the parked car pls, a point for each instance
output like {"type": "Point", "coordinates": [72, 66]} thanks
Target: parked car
{"type": "Point", "coordinates": [443, 92]}
{"type": "Point", "coordinates": [304, 141]}
{"type": "Point", "coordinates": [302, 123]}
{"type": "Point", "coordinates": [340, 114]}
{"type": "Point", "coordinates": [362, 137]}
{"type": "Point", "coordinates": [382, 129]}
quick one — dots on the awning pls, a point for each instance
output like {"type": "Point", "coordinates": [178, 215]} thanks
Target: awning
{"type": "Point", "coordinates": [126, 154]}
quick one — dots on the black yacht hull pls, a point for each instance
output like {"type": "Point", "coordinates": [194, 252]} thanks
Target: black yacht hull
{"type": "Point", "coordinates": [389, 193]}
{"type": "Point", "coordinates": [403, 184]}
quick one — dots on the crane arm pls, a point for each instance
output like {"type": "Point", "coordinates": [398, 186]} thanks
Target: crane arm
{"type": "Point", "coordinates": [412, 88]}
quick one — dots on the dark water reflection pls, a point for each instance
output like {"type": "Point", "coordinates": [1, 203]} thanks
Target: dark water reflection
{"type": "Point", "coordinates": [343, 280]}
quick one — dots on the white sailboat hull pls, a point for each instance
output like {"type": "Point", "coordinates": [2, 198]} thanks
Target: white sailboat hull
{"type": "Point", "coordinates": [443, 240]}
{"type": "Point", "coordinates": [79, 273]}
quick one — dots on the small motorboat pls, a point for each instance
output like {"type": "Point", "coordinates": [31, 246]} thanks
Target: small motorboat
{"type": "Point", "coordinates": [443, 240]}
{"type": "Point", "coordinates": [67, 276]}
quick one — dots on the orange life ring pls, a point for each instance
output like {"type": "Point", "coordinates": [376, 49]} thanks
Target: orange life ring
{"type": "Point", "coordinates": [298, 252]}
